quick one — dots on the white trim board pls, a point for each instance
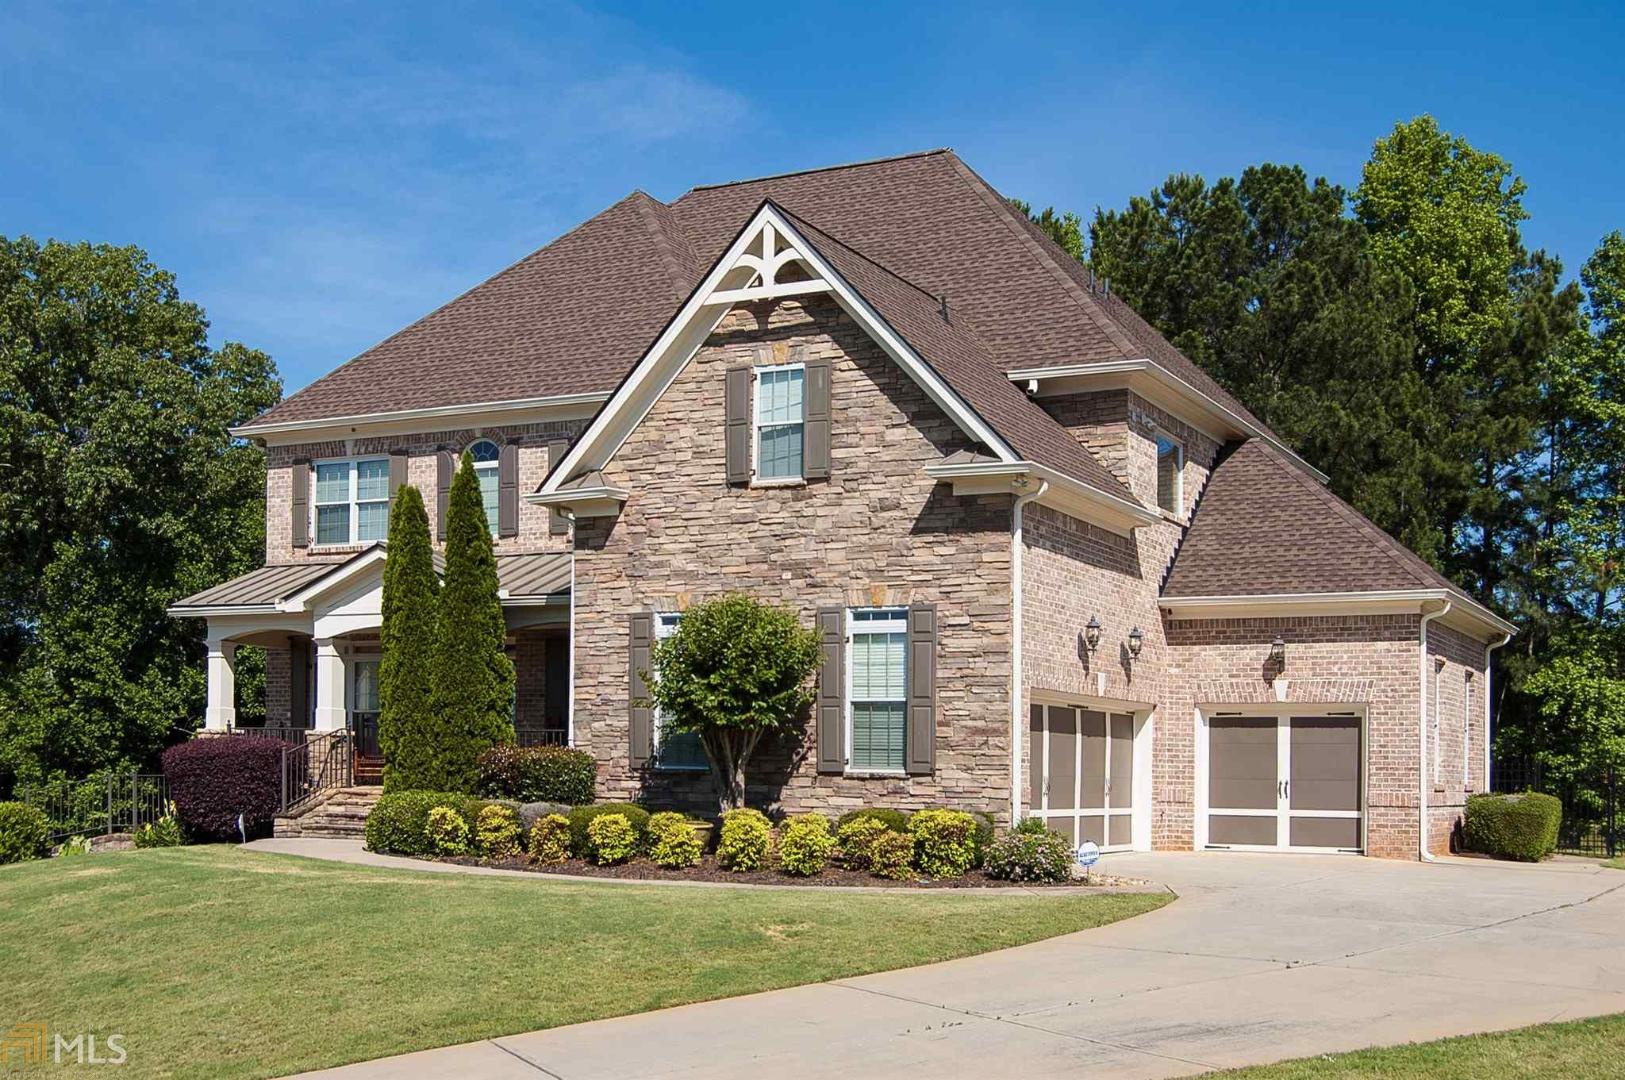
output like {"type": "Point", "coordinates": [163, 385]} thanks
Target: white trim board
{"type": "Point", "coordinates": [701, 314]}
{"type": "Point", "coordinates": [1296, 605]}
{"type": "Point", "coordinates": [411, 421]}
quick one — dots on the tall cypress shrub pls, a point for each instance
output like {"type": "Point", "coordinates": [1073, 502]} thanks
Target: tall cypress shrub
{"type": "Point", "coordinates": [408, 734]}
{"type": "Point", "coordinates": [473, 679]}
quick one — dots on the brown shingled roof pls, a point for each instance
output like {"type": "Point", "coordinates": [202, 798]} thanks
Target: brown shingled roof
{"type": "Point", "coordinates": [1265, 527]}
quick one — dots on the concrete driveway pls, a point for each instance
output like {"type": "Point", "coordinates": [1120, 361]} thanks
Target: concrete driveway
{"type": "Point", "coordinates": [1263, 957]}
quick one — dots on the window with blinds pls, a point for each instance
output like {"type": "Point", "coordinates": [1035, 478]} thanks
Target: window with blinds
{"type": "Point", "coordinates": [877, 691]}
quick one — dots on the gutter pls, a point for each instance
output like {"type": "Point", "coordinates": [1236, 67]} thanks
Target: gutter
{"type": "Point", "coordinates": [1017, 542]}
{"type": "Point", "coordinates": [253, 429]}
{"type": "Point", "coordinates": [1422, 738]}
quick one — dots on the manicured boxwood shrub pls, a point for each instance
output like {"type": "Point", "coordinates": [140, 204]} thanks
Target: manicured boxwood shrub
{"type": "Point", "coordinates": [496, 831]}
{"type": "Point", "coordinates": [212, 780]}
{"type": "Point", "coordinates": [895, 820]}
{"type": "Point", "coordinates": [611, 839]}
{"type": "Point", "coordinates": [23, 832]}
{"type": "Point", "coordinates": [399, 823]}
{"type": "Point", "coordinates": [550, 840]}
{"type": "Point", "coordinates": [1030, 853]}
{"type": "Point", "coordinates": [448, 831]}
{"type": "Point", "coordinates": [944, 842]}
{"type": "Point", "coordinates": [805, 845]}
{"type": "Point", "coordinates": [553, 774]}
{"type": "Point", "coordinates": [745, 840]}
{"type": "Point", "coordinates": [532, 812]}
{"type": "Point", "coordinates": [673, 843]}
{"type": "Point", "coordinates": [582, 816]}
{"type": "Point", "coordinates": [892, 855]}
{"type": "Point", "coordinates": [1522, 827]}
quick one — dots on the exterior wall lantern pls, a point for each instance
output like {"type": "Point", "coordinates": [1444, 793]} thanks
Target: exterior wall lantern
{"type": "Point", "coordinates": [1278, 652]}
{"type": "Point", "coordinates": [1091, 634]}
{"type": "Point", "coordinates": [1136, 641]}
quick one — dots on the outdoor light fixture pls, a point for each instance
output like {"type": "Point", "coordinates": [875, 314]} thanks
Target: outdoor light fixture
{"type": "Point", "coordinates": [1091, 634]}
{"type": "Point", "coordinates": [1135, 641]}
{"type": "Point", "coordinates": [1278, 652]}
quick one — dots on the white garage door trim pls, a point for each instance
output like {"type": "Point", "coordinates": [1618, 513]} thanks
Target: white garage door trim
{"type": "Point", "coordinates": [1283, 813]}
{"type": "Point", "coordinates": [1138, 811]}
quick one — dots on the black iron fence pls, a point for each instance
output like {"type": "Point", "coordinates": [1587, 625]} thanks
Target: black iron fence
{"type": "Point", "coordinates": [112, 802]}
{"type": "Point", "coordinates": [541, 736]}
{"type": "Point", "coordinates": [1590, 797]}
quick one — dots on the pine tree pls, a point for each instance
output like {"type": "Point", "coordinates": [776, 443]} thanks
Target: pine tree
{"type": "Point", "coordinates": [473, 679]}
{"type": "Point", "coordinates": [407, 728]}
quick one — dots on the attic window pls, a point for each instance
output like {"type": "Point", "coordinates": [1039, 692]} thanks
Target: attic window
{"type": "Point", "coordinates": [1170, 474]}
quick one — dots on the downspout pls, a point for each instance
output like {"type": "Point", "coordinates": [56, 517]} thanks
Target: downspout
{"type": "Point", "coordinates": [1016, 544]}
{"type": "Point", "coordinates": [1422, 741]}
{"type": "Point", "coordinates": [570, 652]}
{"type": "Point", "coordinates": [1491, 647]}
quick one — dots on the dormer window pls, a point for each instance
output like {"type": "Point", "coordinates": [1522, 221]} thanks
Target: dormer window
{"type": "Point", "coordinates": [1170, 474]}
{"type": "Point", "coordinates": [486, 454]}
{"type": "Point", "coordinates": [780, 422]}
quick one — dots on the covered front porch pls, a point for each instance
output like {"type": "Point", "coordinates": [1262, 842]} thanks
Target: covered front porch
{"type": "Point", "coordinates": [318, 622]}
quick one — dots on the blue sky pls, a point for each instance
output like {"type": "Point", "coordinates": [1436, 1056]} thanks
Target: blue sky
{"type": "Point", "coordinates": [318, 177]}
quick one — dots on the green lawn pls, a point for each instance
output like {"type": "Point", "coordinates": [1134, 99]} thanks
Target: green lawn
{"type": "Point", "coordinates": [1582, 1050]}
{"type": "Point", "coordinates": [217, 962]}
{"type": "Point", "coordinates": [1617, 864]}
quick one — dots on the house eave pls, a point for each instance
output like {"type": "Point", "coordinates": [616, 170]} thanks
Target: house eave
{"type": "Point", "coordinates": [583, 502]}
{"type": "Point", "coordinates": [1158, 385]}
{"type": "Point", "coordinates": [1064, 493]}
{"type": "Point", "coordinates": [1464, 614]}
{"type": "Point", "coordinates": [414, 419]}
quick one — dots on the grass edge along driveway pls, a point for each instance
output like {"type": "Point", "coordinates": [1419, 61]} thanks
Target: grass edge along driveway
{"type": "Point", "coordinates": [218, 962]}
{"type": "Point", "coordinates": [1576, 1050]}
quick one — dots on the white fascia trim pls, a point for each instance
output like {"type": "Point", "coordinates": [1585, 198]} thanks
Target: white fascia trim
{"type": "Point", "coordinates": [1287, 604]}
{"type": "Point", "coordinates": [251, 430]}
{"type": "Point", "coordinates": [582, 502]}
{"type": "Point", "coordinates": [221, 610]}
{"type": "Point", "coordinates": [342, 572]}
{"type": "Point", "coordinates": [1147, 366]}
{"type": "Point", "coordinates": [1060, 491]}
{"type": "Point", "coordinates": [609, 430]}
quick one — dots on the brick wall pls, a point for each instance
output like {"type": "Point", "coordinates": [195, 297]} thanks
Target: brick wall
{"type": "Point", "coordinates": [423, 473]}
{"type": "Point", "coordinates": [277, 686]}
{"type": "Point", "coordinates": [878, 532]}
{"type": "Point", "coordinates": [1456, 688]}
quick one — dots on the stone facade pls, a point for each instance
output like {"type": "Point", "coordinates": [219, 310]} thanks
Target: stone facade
{"type": "Point", "coordinates": [877, 532]}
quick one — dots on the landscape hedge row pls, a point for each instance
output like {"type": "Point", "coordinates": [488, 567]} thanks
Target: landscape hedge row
{"type": "Point", "coordinates": [1522, 827]}
{"type": "Point", "coordinates": [211, 781]}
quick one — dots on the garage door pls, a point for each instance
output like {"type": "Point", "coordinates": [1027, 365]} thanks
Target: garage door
{"type": "Point", "coordinates": [1284, 782]}
{"type": "Point", "coordinates": [1082, 774]}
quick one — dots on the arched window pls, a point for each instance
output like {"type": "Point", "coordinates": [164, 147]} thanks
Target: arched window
{"type": "Point", "coordinates": [485, 454]}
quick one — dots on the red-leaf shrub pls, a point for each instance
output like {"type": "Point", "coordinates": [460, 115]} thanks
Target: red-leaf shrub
{"type": "Point", "coordinates": [212, 780]}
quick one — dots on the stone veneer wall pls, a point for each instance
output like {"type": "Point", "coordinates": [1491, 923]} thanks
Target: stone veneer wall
{"type": "Point", "coordinates": [422, 472]}
{"type": "Point", "coordinates": [878, 532]}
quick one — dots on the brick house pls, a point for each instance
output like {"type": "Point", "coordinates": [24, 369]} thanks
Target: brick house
{"type": "Point", "coordinates": [1057, 569]}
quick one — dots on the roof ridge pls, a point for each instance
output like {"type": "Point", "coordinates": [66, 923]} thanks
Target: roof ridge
{"type": "Point", "coordinates": [1001, 206]}
{"type": "Point", "coordinates": [822, 168]}
{"type": "Point", "coordinates": [664, 243]}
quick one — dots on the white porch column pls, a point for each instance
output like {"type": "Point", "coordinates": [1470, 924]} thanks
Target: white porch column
{"type": "Point", "coordinates": [221, 713]}
{"type": "Point", "coordinates": [330, 714]}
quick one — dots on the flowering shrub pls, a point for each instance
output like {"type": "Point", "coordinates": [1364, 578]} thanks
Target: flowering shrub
{"type": "Point", "coordinates": [746, 836]}
{"type": "Point", "coordinates": [448, 831]}
{"type": "Point", "coordinates": [672, 841]}
{"type": "Point", "coordinates": [537, 774]}
{"type": "Point", "coordinates": [805, 845]}
{"type": "Point", "coordinates": [857, 839]}
{"type": "Point", "coordinates": [550, 839]}
{"type": "Point", "coordinates": [496, 832]}
{"type": "Point", "coordinates": [944, 842]}
{"type": "Point", "coordinates": [611, 839]}
{"type": "Point", "coordinates": [891, 855]}
{"type": "Point", "coordinates": [1030, 854]}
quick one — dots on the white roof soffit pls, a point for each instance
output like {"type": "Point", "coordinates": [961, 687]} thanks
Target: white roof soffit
{"type": "Point", "coordinates": [1080, 500]}
{"type": "Point", "coordinates": [768, 242]}
{"type": "Point", "coordinates": [409, 420]}
{"type": "Point", "coordinates": [1465, 613]}
{"type": "Point", "coordinates": [1156, 384]}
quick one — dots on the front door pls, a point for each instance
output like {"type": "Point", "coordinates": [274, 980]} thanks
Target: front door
{"type": "Point", "coordinates": [1082, 775]}
{"type": "Point", "coordinates": [1284, 782]}
{"type": "Point", "coordinates": [364, 707]}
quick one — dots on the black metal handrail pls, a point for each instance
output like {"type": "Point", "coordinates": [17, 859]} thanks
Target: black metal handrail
{"type": "Point", "coordinates": [322, 762]}
{"type": "Point", "coordinates": [281, 733]}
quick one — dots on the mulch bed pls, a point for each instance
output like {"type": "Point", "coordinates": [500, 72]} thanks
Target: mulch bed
{"type": "Point", "coordinates": [708, 870]}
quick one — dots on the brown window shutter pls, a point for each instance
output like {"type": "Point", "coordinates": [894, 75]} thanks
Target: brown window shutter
{"type": "Point", "coordinates": [641, 714]}
{"type": "Point", "coordinates": [556, 523]}
{"type": "Point", "coordinates": [299, 502]}
{"type": "Point", "coordinates": [815, 414]}
{"type": "Point", "coordinates": [737, 387]}
{"type": "Point", "coordinates": [446, 468]}
{"type": "Point", "coordinates": [508, 490]}
{"type": "Point", "coordinates": [831, 703]}
{"type": "Point", "coordinates": [920, 747]}
{"type": "Point", "coordinates": [399, 461]}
